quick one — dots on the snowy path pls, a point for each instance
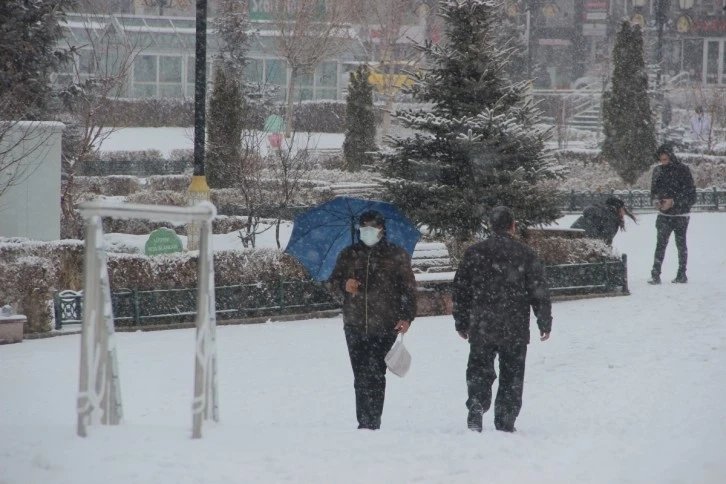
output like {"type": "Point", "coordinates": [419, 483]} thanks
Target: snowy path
{"type": "Point", "coordinates": [628, 390]}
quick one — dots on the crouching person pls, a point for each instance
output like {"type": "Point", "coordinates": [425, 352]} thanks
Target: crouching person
{"type": "Point", "coordinates": [375, 281]}
{"type": "Point", "coordinates": [497, 282]}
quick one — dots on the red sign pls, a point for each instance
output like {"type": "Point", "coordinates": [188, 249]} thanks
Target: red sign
{"type": "Point", "coordinates": [596, 5]}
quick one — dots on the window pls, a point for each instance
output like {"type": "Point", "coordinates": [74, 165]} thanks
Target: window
{"type": "Point", "coordinates": [144, 90]}
{"type": "Point", "coordinates": [190, 69]}
{"type": "Point", "coordinates": [170, 69]}
{"type": "Point", "coordinates": [253, 71]}
{"type": "Point", "coordinates": [326, 93]}
{"type": "Point", "coordinates": [304, 80]}
{"type": "Point", "coordinates": [145, 68]}
{"type": "Point", "coordinates": [170, 90]}
{"type": "Point", "coordinates": [276, 72]}
{"type": "Point", "coordinates": [327, 74]}
{"type": "Point", "coordinates": [303, 93]}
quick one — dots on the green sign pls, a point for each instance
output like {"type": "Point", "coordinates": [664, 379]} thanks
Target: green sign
{"type": "Point", "coordinates": [266, 9]}
{"type": "Point", "coordinates": [163, 241]}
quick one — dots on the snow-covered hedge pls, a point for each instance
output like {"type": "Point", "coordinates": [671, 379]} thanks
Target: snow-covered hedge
{"type": "Point", "coordinates": [33, 271]}
{"type": "Point", "coordinates": [588, 172]}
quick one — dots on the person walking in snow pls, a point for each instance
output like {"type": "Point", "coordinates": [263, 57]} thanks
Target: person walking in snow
{"type": "Point", "coordinates": [700, 126]}
{"type": "Point", "coordinates": [497, 282]}
{"type": "Point", "coordinates": [375, 282]}
{"type": "Point", "coordinates": [673, 193]}
{"type": "Point", "coordinates": [603, 220]}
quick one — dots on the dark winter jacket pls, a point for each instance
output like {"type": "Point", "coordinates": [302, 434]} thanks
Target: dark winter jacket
{"type": "Point", "coordinates": [497, 282]}
{"type": "Point", "coordinates": [599, 221]}
{"type": "Point", "coordinates": [387, 291]}
{"type": "Point", "coordinates": [674, 181]}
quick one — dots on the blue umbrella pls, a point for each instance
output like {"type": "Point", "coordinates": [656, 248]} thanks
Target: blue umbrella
{"type": "Point", "coordinates": [321, 233]}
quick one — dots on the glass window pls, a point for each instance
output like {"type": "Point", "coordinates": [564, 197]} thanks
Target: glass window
{"type": "Point", "coordinates": [169, 69]}
{"type": "Point", "coordinates": [327, 74]}
{"type": "Point", "coordinates": [145, 68]}
{"type": "Point", "coordinates": [86, 64]}
{"type": "Point", "coordinates": [144, 90]}
{"type": "Point", "coordinates": [190, 69]}
{"type": "Point", "coordinates": [303, 93]}
{"type": "Point", "coordinates": [304, 80]}
{"type": "Point", "coordinates": [276, 72]}
{"type": "Point", "coordinates": [170, 90]}
{"type": "Point", "coordinates": [326, 94]}
{"type": "Point", "coordinates": [253, 70]}
{"type": "Point", "coordinates": [712, 62]}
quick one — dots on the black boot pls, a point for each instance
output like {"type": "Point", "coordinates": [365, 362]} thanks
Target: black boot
{"type": "Point", "coordinates": [475, 420]}
{"type": "Point", "coordinates": [654, 278]}
{"type": "Point", "coordinates": [680, 278]}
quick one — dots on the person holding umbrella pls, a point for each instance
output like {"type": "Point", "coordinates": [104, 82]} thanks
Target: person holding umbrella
{"type": "Point", "coordinates": [375, 282]}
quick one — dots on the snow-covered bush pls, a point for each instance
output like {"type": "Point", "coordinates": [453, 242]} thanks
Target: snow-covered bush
{"type": "Point", "coordinates": [33, 271]}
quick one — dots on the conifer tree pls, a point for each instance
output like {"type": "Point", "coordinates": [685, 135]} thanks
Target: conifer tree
{"type": "Point", "coordinates": [225, 124]}
{"type": "Point", "coordinates": [227, 103]}
{"type": "Point", "coordinates": [630, 139]}
{"type": "Point", "coordinates": [360, 134]}
{"type": "Point", "coordinates": [479, 145]}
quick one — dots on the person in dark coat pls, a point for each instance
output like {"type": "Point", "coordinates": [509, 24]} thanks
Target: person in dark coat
{"type": "Point", "coordinates": [673, 193]}
{"type": "Point", "coordinates": [497, 282]}
{"type": "Point", "coordinates": [375, 282]}
{"type": "Point", "coordinates": [603, 220]}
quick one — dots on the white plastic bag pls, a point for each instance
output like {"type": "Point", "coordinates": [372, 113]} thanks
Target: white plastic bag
{"type": "Point", "coordinates": [398, 359]}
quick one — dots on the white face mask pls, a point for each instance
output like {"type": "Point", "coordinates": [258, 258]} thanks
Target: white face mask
{"type": "Point", "coordinates": [369, 235]}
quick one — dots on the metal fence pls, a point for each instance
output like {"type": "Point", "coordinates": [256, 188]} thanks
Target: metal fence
{"type": "Point", "coordinates": [136, 308]}
{"type": "Point", "coordinates": [133, 307]}
{"type": "Point", "coordinates": [707, 199]}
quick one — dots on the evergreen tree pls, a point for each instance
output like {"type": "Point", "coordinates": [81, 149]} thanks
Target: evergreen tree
{"type": "Point", "coordinates": [225, 124]}
{"type": "Point", "coordinates": [29, 53]}
{"type": "Point", "coordinates": [227, 102]}
{"type": "Point", "coordinates": [479, 146]}
{"type": "Point", "coordinates": [360, 134]}
{"type": "Point", "coordinates": [630, 139]}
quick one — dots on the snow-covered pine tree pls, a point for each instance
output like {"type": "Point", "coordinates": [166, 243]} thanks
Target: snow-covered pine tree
{"type": "Point", "coordinates": [479, 145]}
{"type": "Point", "coordinates": [360, 133]}
{"type": "Point", "coordinates": [226, 120]}
{"type": "Point", "coordinates": [29, 54]}
{"type": "Point", "coordinates": [630, 139]}
{"type": "Point", "coordinates": [227, 102]}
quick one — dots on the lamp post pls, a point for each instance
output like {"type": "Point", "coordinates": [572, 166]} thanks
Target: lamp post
{"type": "Point", "coordinates": [199, 190]}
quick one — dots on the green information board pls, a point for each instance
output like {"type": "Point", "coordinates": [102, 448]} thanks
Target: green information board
{"type": "Point", "coordinates": [163, 241]}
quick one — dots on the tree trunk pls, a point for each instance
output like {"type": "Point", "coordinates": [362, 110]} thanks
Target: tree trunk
{"type": "Point", "coordinates": [290, 102]}
{"type": "Point", "coordinates": [386, 122]}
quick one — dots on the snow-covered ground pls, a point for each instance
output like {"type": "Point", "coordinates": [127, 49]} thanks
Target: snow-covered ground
{"type": "Point", "coordinates": [627, 390]}
{"type": "Point", "coordinates": [167, 139]}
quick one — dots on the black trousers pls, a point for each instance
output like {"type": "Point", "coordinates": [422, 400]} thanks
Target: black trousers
{"type": "Point", "coordinates": [480, 376]}
{"type": "Point", "coordinates": [665, 226]}
{"type": "Point", "coordinates": [367, 353]}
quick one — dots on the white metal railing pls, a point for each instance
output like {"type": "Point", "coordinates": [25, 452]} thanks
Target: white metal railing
{"type": "Point", "coordinates": [99, 392]}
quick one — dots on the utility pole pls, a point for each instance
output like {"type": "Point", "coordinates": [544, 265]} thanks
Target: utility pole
{"type": "Point", "coordinates": [199, 190]}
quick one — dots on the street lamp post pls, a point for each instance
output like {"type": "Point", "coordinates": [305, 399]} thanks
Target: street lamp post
{"type": "Point", "coordinates": [199, 190]}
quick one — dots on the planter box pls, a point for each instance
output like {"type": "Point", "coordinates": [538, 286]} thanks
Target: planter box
{"type": "Point", "coordinates": [11, 328]}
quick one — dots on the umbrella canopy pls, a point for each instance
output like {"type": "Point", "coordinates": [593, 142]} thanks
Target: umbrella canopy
{"type": "Point", "coordinates": [321, 233]}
